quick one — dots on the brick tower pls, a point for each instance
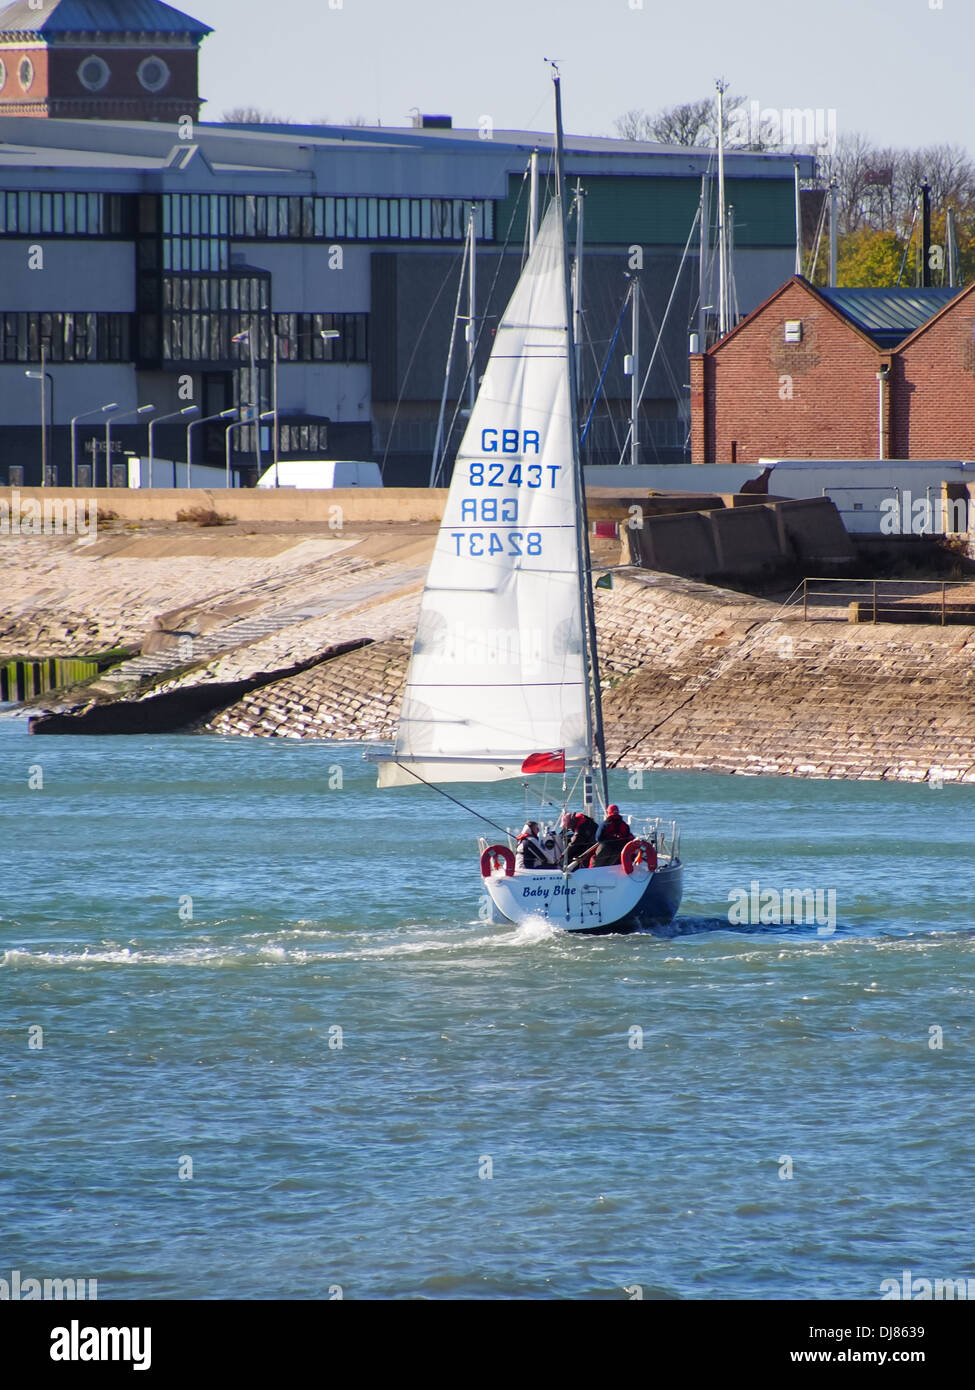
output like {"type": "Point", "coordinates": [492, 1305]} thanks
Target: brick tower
{"type": "Point", "coordinates": [120, 60]}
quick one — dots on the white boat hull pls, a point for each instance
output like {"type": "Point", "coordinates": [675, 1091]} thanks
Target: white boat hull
{"type": "Point", "coordinates": [589, 900]}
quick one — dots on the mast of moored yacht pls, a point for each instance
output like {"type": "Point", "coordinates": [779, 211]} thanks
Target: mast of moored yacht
{"type": "Point", "coordinates": [594, 706]}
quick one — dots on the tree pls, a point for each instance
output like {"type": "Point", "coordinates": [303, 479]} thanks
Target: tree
{"type": "Point", "coordinates": [687, 124]}
{"type": "Point", "coordinates": [695, 123]}
{"type": "Point", "coordinates": [253, 115]}
{"type": "Point", "coordinates": [868, 257]}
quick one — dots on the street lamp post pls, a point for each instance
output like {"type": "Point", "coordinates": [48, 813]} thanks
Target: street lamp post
{"type": "Point", "coordinates": [189, 410]}
{"type": "Point", "coordinates": [139, 410]}
{"type": "Point", "coordinates": [229, 430]}
{"type": "Point", "coordinates": [102, 410]}
{"type": "Point", "coordinates": [194, 424]}
{"type": "Point", "coordinates": [329, 334]}
{"type": "Point", "coordinates": [249, 336]}
{"type": "Point", "coordinates": [44, 377]}
{"type": "Point", "coordinates": [273, 415]}
{"type": "Point", "coordinates": [274, 402]}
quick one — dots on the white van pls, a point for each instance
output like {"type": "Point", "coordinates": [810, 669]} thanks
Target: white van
{"type": "Point", "coordinates": [322, 473]}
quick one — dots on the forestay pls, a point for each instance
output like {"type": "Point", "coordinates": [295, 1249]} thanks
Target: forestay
{"type": "Point", "coordinates": [498, 670]}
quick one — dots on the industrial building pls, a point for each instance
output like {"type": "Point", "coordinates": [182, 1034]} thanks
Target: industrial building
{"type": "Point", "coordinates": [308, 274]}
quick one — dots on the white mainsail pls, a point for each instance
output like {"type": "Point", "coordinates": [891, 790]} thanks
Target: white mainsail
{"type": "Point", "coordinates": [498, 671]}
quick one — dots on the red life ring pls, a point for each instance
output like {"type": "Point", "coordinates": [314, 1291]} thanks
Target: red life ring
{"type": "Point", "coordinates": [494, 857]}
{"type": "Point", "coordinates": [638, 852]}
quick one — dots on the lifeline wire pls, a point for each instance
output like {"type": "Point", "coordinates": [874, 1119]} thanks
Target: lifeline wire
{"type": "Point", "coordinates": [461, 804]}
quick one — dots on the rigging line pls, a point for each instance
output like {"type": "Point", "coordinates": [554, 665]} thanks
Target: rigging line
{"type": "Point", "coordinates": [599, 384]}
{"type": "Point", "coordinates": [547, 800]}
{"type": "Point", "coordinates": [409, 366]}
{"type": "Point", "coordinates": [907, 246]}
{"type": "Point", "coordinates": [477, 342]}
{"type": "Point", "coordinates": [665, 364]}
{"type": "Point", "coordinates": [610, 417]}
{"type": "Point", "coordinates": [439, 444]}
{"type": "Point", "coordinates": [752, 633]}
{"type": "Point", "coordinates": [663, 322]}
{"type": "Point", "coordinates": [820, 228]}
{"type": "Point", "coordinates": [434, 788]}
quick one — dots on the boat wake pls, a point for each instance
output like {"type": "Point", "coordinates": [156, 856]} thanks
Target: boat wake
{"type": "Point", "coordinates": [302, 944]}
{"type": "Point", "coordinates": [527, 933]}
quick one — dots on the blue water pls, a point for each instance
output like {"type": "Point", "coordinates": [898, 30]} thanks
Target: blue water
{"type": "Point", "coordinates": [468, 1048]}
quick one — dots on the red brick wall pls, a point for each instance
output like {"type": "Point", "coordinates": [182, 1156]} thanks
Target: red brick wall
{"type": "Point", "coordinates": [934, 391]}
{"type": "Point", "coordinates": [12, 90]}
{"type": "Point", "coordinates": [698, 450]}
{"type": "Point", "coordinates": [56, 86]}
{"type": "Point", "coordinates": [748, 412]}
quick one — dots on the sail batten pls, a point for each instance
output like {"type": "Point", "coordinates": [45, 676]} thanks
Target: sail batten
{"type": "Point", "coordinates": [498, 672]}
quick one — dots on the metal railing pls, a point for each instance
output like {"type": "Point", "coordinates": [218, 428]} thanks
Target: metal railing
{"type": "Point", "coordinates": [886, 600]}
{"type": "Point", "coordinates": [663, 834]}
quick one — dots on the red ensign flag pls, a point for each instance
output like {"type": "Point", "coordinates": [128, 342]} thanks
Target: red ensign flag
{"type": "Point", "coordinates": [545, 762]}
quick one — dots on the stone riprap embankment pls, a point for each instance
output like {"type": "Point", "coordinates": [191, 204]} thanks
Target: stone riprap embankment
{"type": "Point", "coordinates": [705, 678]}
{"type": "Point", "coordinates": [356, 696]}
{"type": "Point", "coordinates": [208, 616]}
{"type": "Point", "coordinates": [709, 679]}
{"type": "Point", "coordinates": [307, 636]}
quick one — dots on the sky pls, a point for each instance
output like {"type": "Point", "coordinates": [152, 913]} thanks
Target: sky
{"type": "Point", "coordinates": [895, 70]}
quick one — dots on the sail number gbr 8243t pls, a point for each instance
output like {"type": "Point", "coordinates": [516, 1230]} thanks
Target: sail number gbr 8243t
{"type": "Point", "coordinates": [501, 511]}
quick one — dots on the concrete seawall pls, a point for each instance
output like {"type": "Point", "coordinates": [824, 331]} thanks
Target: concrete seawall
{"type": "Point", "coordinates": [740, 541]}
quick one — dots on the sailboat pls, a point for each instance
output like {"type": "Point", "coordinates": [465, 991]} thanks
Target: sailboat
{"type": "Point", "coordinates": [503, 680]}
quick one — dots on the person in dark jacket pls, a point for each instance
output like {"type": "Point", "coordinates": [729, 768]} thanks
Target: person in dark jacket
{"type": "Point", "coordinates": [582, 832]}
{"type": "Point", "coordinates": [612, 835]}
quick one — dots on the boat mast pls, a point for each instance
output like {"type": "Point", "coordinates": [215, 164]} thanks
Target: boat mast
{"type": "Point", "coordinates": [471, 310]}
{"type": "Point", "coordinates": [722, 221]}
{"type": "Point", "coordinates": [577, 283]}
{"type": "Point", "coordinates": [634, 368]}
{"type": "Point", "coordinates": [594, 708]}
{"type": "Point", "coordinates": [533, 202]}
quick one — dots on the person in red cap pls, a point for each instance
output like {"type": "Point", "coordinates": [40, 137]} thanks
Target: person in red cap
{"type": "Point", "coordinates": [583, 837]}
{"type": "Point", "coordinates": [612, 835]}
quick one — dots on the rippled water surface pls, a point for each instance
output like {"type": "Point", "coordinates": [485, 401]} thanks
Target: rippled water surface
{"type": "Point", "coordinates": [511, 1112]}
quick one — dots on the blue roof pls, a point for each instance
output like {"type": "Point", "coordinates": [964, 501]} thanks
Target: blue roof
{"type": "Point", "coordinates": [98, 16]}
{"type": "Point", "coordinates": [888, 316]}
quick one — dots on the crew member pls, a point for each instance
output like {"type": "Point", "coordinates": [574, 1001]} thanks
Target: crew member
{"type": "Point", "coordinates": [553, 847]}
{"type": "Point", "coordinates": [582, 839]}
{"type": "Point", "coordinates": [612, 835]}
{"type": "Point", "coordinates": [529, 853]}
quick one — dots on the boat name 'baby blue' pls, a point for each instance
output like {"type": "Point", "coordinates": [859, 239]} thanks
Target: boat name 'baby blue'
{"type": "Point", "coordinates": [556, 891]}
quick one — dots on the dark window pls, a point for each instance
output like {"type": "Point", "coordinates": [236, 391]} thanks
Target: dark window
{"type": "Point", "coordinates": [66, 337]}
